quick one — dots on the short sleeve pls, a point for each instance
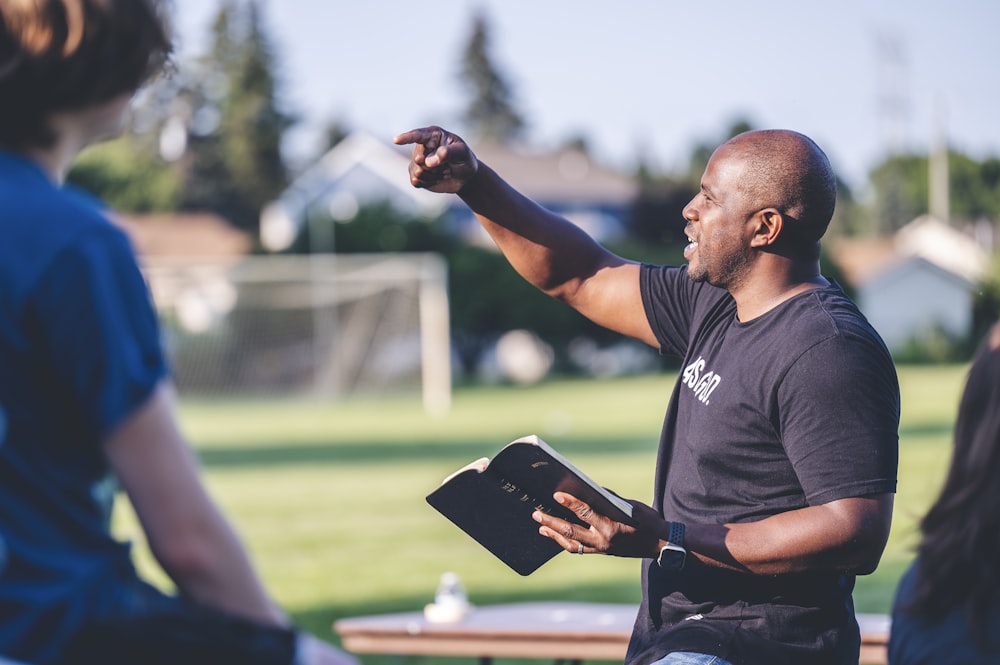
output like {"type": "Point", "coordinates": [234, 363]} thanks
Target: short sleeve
{"type": "Point", "coordinates": [97, 325]}
{"type": "Point", "coordinates": [839, 406]}
{"type": "Point", "coordinates": [673, 302]}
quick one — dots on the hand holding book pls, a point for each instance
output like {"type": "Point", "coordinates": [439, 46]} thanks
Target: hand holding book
{"type": "Point", "coordinates": [493, 501]}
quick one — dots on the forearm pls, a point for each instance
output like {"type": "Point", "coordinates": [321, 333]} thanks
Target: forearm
{"type": "Point", "coordinates": [210, 565]}
{"type": "Point", "coordinates": [547, 250]}
{"type": "Point", "coordinates": [186, 531]}
{"type": "Point", "coordinates": [847, 536]}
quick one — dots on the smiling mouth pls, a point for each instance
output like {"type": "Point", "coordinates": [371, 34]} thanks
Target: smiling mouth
{"type": "Point", "coordinates": [691, 247]}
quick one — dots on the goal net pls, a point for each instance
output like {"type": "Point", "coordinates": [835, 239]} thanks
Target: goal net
{"type": "Point", "coordinates": [325, 325]}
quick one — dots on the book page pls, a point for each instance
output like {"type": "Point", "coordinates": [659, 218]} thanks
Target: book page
{"type": "Point", "coordinates": [616, 502]}
{"type": "Point", "coordinates": [478, 465]}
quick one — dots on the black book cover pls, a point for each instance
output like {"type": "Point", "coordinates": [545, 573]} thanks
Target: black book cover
{"type": "Point", "coordinates": [492, 501]}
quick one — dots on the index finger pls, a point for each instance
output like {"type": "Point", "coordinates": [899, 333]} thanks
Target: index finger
{"type": "Point", "coordinates": [423, 135]}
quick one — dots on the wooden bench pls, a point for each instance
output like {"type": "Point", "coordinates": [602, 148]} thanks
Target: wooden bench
{"type": "Point", "coordinates": [563, 631]}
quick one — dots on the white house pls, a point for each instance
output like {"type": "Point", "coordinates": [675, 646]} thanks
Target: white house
{"type": "Point", "coordinates": [359, 170]}
{"type": "Point", "coordinates": [362, 170]}
{"type": "Point", "coordinates": [915, 299]}
{"type": "Point", "coordinates": [919, 283]}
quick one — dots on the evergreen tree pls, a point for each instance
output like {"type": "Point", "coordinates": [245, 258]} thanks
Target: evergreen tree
{"type": "Point", "coordinates": [902, 184]}
{"type": "Point", "coordinates": [491, 115]}
{"type": "Point", "coordinates": [234, 163]}
{"type": "Point", "coordinates": [128, 176]}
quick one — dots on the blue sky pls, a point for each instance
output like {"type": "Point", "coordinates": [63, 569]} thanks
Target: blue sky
{"type": "Point", "coordinates": [651, 77]}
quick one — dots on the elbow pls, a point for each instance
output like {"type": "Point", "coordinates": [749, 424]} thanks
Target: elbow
{"type": "Point", "coordinates": [865, 554]}
{"type": "Point", "coordinates": [867, 562]}
{"type": "Point", "coordinates": [867, 535]}
{"type": "Point", "coordinates": [561, 291]}
{"type": "Point", "coordinates": [186, 560]}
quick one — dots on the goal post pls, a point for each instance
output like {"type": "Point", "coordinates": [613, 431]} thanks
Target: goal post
{"type": "Point", "coordinates": [333, 325]}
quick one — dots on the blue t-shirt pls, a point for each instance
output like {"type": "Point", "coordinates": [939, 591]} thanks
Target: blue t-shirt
{"type": "Point", "coordinates": [797, 407]}
{"type": "Point", "coordinates": [79, 352]}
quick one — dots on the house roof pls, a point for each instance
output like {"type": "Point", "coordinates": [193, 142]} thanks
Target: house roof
{"type": "Point", "coordinates": [363, 169]}
{"type": "Point", "coordinates": [567, 175]}
{"type": "Point", "coordinates": [189, 235]}
{"type": "Point", "coordinates": [360, 158]}
{"type": "Point", "coordinates": [864, 259]}
{"type": "Point", "coordinates": [904, 269]}
{"type": "Point", "coordinates": [944, 246]}
{"type": "Point", "coordinates": [861, 258]}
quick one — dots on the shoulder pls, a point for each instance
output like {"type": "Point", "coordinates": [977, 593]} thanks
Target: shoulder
{"type": "Point", "coordinates": [828, 318]}
{"type": "Point", "coordinates": [829, 351]}
{"type": "Point", "coordinates": [53, 216]}
{"type": "Point", "coordinates": [677, 307]}
{"type": "Point", "coordinates": [43, 225]}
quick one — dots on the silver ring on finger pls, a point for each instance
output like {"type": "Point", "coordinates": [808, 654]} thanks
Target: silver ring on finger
{"type": "Point", "coordinates": [579, 549]}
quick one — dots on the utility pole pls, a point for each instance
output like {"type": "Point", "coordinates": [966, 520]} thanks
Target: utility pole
{"type": "Point", "coordinates": [893, 110]}
{"type": "Point", "coordinates": [940, 198]}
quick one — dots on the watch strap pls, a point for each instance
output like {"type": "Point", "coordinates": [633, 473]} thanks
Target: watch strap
{"type": "Point", "coordinates": [676, 534]}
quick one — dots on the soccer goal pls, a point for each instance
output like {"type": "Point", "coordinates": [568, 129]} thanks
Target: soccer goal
{"type": "Point", "coordinates": [327, 325]}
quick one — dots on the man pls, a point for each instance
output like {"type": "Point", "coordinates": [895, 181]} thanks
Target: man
{"type": "Point", "coordinates": [777, 461]}
{"type": "Point", "coordinates": [84, 389]}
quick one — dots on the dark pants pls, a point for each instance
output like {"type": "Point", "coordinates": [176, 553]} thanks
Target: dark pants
{"type": "Point", "coordinates": [150, 628]}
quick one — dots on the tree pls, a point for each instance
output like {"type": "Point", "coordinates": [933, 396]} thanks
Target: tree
{"type": "Point", "coordinates": [491, 115]}
{"type": "Point", "coordinates": [656, 222]}
{"type": "Point", "coordinates": [975, 187]}
{"type": "Point", "coordinates": [130, 172]}
{"type": "Point", "coordinates": [902, 191]}
{"type": "Point", "coordinates": [234, 163]}
{"type": "Point", "coordinates": [702, 152]}
{"type": "Point", "coordinates": [903, 188]}
{"type": "Point", "coordinates": [127, 176]}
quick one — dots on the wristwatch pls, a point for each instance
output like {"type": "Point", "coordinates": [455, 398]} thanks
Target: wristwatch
{"type": "Point", "coordinates": [673, 554]}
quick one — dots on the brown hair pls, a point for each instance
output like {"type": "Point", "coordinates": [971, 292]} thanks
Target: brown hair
{"type": "Point", "coordinates": [63, 55]}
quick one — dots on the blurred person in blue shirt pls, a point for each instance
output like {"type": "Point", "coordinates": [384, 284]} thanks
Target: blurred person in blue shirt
{"type": "Point", "coordinates": [86, 403]}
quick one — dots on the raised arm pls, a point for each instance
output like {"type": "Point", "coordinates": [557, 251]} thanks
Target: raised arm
{"type": "Point", "coordinates": [549, 251]}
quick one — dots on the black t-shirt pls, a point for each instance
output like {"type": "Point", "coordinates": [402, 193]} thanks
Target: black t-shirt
{"type": "Point", "coordinates": [797, 407]}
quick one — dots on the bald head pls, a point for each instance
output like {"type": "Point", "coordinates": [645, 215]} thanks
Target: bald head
{"type": "Point", "coordinates": [789, 172]}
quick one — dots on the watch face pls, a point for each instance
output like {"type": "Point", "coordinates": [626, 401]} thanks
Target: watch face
{"type": "Point", "coordinates": [672, 559]}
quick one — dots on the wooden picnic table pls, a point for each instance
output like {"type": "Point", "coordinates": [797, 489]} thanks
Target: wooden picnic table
{"type": "Point", "coordinates": [563, 631]}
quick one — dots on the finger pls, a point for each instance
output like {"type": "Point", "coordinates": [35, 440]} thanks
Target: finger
{"type": "Point", "coordinates": [424, 177]}
{"type": "Point", "coordinates": [581, 509]}
{"type": "Point", "coordinates": [566, 534]}
{"type": "Point", "coordinates": [421, 135]}
{"type": "Point", "coordinates": [444, 150]}
{"type": "Point", "coordinates": [564, 541]}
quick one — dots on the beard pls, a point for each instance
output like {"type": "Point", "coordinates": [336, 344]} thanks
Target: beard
{"type": "Point", "coordinates": [725, 272]}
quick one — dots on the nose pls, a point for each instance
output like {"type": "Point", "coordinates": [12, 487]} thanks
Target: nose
{"type": "Point", "coordinates": [690, 212]}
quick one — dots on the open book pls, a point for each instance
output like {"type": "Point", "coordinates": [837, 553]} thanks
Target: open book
{"type": "Point", "coordinates": [492, 500]}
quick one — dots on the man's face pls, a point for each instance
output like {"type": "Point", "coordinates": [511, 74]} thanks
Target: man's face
{"type": "Point", "coordinates": [718, 229]}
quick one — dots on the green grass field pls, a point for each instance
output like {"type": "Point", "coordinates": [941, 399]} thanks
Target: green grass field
{"type": "Point", "coordinates": [329, 496]}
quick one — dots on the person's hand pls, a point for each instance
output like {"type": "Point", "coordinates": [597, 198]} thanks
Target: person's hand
{"type": "Point", "coordinates": [604, 535]}
{"type": "Point", "coordinates": [441, 161]}
{"type": "Point", "coordinates": [313, 651]}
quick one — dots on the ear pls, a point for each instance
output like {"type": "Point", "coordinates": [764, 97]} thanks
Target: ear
{"type": "Point", "coordinates": [768, 225]}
